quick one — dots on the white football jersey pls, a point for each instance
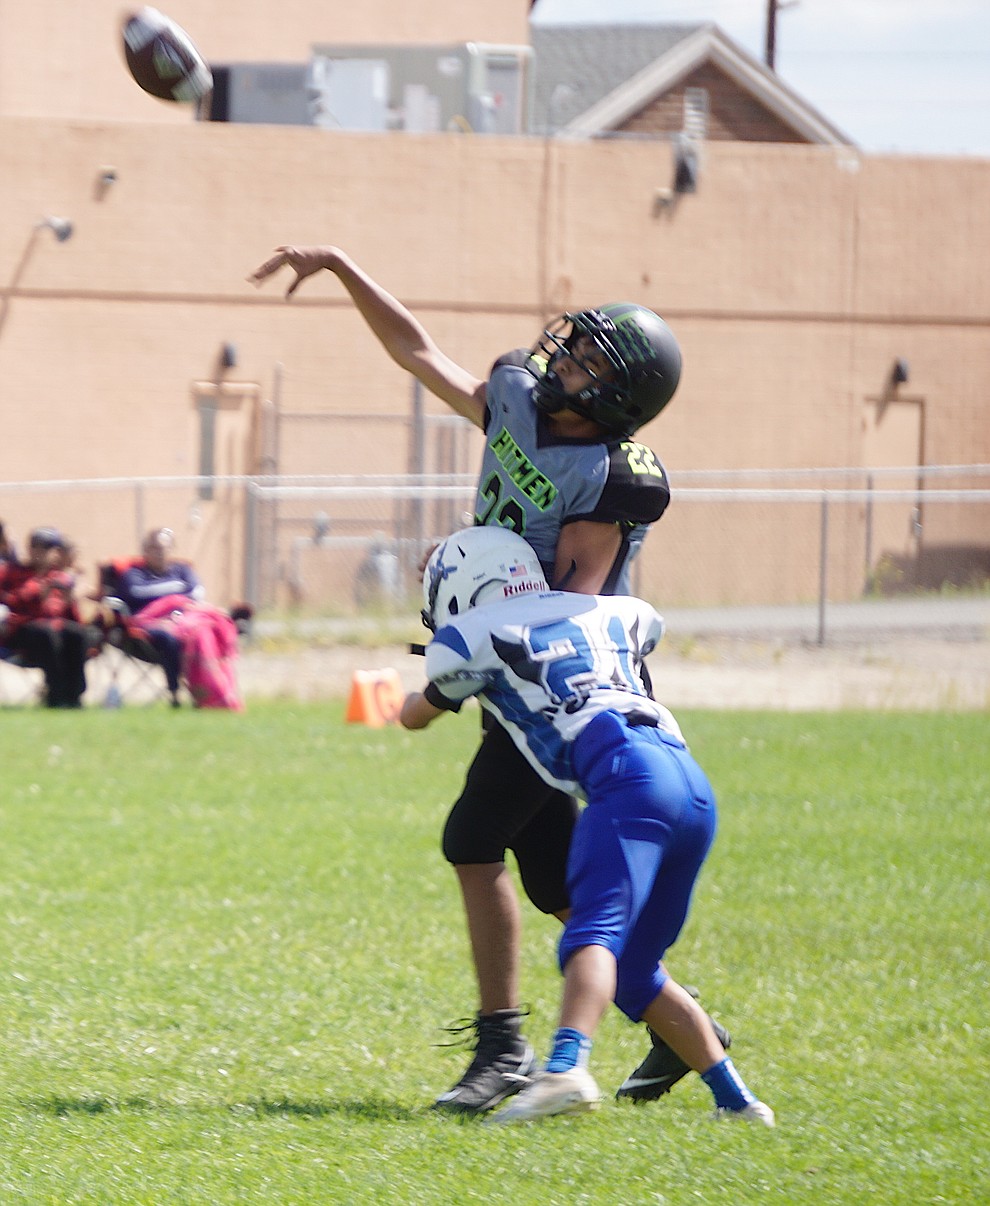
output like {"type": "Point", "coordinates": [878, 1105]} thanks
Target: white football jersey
{"type": "Point", "coordinates": [546, 665]}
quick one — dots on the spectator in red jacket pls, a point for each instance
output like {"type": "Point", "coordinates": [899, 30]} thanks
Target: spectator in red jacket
{"type": "Point", "coordinates": [42, 621]}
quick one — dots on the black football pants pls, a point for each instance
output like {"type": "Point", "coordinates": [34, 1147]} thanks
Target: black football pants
{"type": "Point", "coordinates": [505, 805]}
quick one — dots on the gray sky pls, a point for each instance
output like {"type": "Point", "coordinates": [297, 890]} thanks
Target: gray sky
{"type": "Point", "coordinates": [905, 76]}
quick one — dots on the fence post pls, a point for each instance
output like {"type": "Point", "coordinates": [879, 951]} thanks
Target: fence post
{"type": "Point", "coordinates": [868, 550]}
{"type": "Point", "coordinates": [251, 545]}
{"type": "Point", "coordinates": [139, 513]}
{"type": "Point", "coordinates": [823, 568]}
{"type": "Point", "coordinates": [416, 509]}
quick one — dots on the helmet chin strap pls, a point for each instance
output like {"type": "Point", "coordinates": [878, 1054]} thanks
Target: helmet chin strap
{"type": "Point", "coordinates": [553, 404]}
{"type": "Point", "coordinates": [557, 400]}
{"type": "Point", "coordinates": [578, 403]}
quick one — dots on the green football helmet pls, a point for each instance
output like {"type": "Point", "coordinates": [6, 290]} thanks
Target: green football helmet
{"type": "Point", "coordinates": [644, 359]}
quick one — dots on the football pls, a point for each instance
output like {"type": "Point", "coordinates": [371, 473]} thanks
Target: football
{"type": "Point", "coordinates": [162, 58]}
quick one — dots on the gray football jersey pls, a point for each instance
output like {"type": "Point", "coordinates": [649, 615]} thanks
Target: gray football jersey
{"type": "Point", "coordinates": [534, 482]}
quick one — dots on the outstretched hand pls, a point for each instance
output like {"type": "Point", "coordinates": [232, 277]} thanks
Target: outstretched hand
{"type": "Point", "coordinates": [304, 261]}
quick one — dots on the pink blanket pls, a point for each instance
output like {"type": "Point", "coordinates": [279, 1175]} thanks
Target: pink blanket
{"type": "Point", "coordinates": [208, 638]}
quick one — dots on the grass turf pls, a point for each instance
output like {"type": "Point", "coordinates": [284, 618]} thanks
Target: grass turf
{"type": "Point", "coordinates": [230, 943]}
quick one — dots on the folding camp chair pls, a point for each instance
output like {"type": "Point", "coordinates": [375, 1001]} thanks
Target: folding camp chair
{"type": "Point", "coordinates": [133, 669]}
{"type": "Point", "coordinates": [132, 662]}
{"type": "Point", "coordinates": [20, 683]}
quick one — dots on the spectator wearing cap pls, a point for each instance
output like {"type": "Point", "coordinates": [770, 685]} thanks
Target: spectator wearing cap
{"type": "Point", "coordinates": [42, 622]}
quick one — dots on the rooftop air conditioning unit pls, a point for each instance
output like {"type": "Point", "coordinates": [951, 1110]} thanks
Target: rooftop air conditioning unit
{"type": "Point", "coordinates": [274, 94]}
{"type": "Point", "coordinates": [472, 87]}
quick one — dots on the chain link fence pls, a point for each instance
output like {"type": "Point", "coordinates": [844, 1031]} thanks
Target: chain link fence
{"type": "Point", "coordinates": [351, 545]}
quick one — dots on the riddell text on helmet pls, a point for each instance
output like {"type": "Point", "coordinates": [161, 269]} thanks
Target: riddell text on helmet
{"type": "Point", "coordinates": [522, 588]}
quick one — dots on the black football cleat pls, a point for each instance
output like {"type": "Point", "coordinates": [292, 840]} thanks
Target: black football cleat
{"type": "Point", "coordinates": [502, 1064]}
{"type": "Point", "coordinates": [662, 1069]}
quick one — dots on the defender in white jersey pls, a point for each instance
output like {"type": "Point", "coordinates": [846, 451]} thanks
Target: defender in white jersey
{"type": "Point", "coordinates": [561, 467]}
{"type": "Point", "coordinates": [564, 674]}
{"type": "Point", "coordinates": [547, 670]}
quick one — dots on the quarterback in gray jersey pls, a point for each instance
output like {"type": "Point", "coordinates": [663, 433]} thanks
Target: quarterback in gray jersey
{"type": "Point", "coordinates": [535, 481]}
{"type": "Point", "coordinates": [561, 469]}
{"type": "Point", "coordinates": [563, 673]}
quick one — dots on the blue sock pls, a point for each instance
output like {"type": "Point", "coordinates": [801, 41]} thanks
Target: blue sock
{"type": "Point", "coordinates": [727, 1086]}
{"type": "Point", "coordinates": [571, 1049]}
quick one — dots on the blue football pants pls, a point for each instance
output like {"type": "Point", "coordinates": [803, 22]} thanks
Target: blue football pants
{"type": "Point", "coordinates": [637, 850]}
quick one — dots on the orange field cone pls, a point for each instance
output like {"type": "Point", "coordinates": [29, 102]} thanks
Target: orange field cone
{"type": "Point", "coordinates": [376, 698]}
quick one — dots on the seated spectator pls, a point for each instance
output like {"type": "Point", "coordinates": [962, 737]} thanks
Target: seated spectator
{"type": "Point", "coordinates": [8, 559]}
{"type": "Point", "coordinates": [8, 553]}
{"type": "Point", "coordinates": [158, 573]}
{"type": "Point", "coordinates": [193, 641]}
{"type": "Point", "coordinates": [41, 619]}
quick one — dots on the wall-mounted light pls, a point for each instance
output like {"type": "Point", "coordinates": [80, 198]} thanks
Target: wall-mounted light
{"type": "Point", "coordinates": [898, 374]}
{"type": "Point", "coordinates": [685, 165]}
{"type": "Point", "coordinates": [106, 178]}
{"type": "Point", "coordinates": [228, 355]}
{"type": "Point", "coordinates": [60, 227]}
{"type": "Point", "coordinates": [685, 174]}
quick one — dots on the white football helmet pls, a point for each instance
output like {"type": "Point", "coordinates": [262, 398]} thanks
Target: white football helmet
{"type": "Point", "coordinates": [474, 567]}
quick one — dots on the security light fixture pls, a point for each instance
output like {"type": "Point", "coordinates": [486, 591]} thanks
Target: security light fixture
{"type": "Point", "coordinates": [60, 227]}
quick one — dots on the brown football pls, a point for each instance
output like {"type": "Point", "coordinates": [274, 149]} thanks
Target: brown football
{"type": "Point", "coordinates": [163, 59]}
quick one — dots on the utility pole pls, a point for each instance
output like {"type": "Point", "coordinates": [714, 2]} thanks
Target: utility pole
{"type": "Point", "coordinates": [773, 7]}
{"type": "Point", "coordinates": [771, 48]}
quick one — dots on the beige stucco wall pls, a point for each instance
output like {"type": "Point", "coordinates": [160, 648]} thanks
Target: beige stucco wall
{"type": "Point", "coordinates": [794, 277]}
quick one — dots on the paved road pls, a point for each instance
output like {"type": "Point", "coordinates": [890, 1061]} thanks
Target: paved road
{"type": "Point", "coordinates": [963, 618]}
{"type": "Point", "coordinates": [957, 618]}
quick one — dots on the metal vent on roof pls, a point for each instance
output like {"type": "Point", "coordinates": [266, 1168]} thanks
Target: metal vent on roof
{"type": "Point", "coordinates": [696, 113]}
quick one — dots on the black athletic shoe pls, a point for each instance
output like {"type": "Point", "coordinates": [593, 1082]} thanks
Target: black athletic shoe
{"type": "Point", "coordinates": [502, 1064]}
{"type": "Point", "coordinates": [662, 1069]}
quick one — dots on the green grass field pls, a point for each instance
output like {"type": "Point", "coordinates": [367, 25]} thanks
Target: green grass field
{"type": "Point", "coordinates": [230, 944]}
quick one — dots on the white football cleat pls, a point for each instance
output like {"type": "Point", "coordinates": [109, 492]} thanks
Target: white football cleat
{"type": "Point", "coordinates": [571, 1092]}
{"type": "Point", "coordinates": [756, 1111]}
